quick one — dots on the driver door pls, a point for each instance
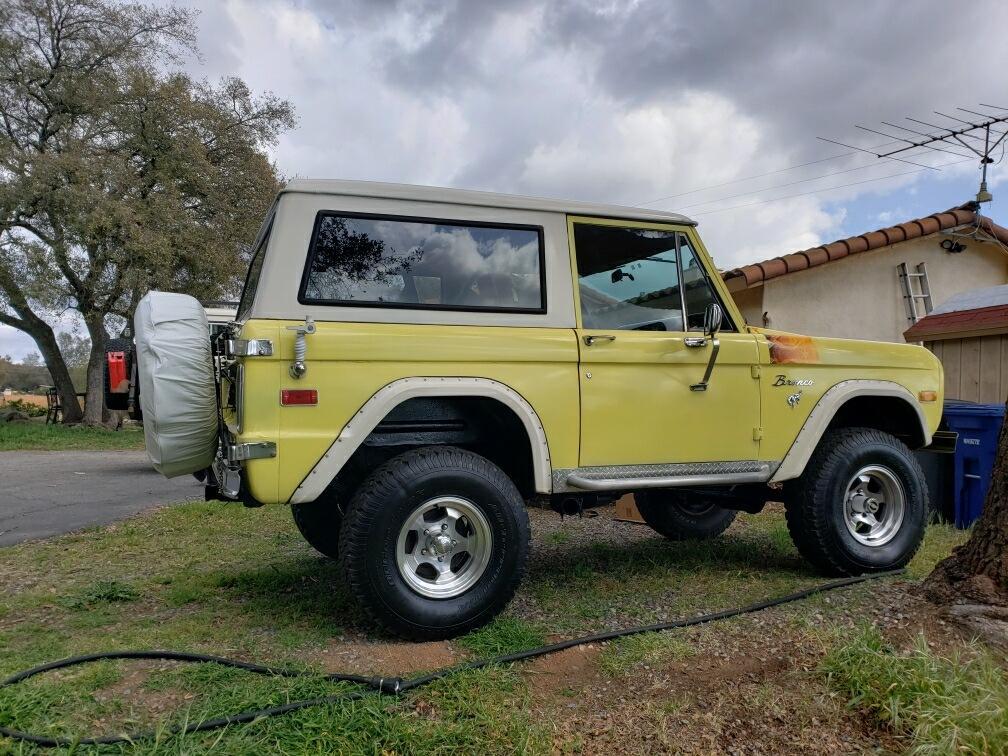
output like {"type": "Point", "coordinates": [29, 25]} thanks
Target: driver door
{"type": "Point", "coordinates": [640, 335]}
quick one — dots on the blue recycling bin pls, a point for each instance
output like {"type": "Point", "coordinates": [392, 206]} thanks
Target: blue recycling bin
{"type": "Point", "coordinates": [978, 426]}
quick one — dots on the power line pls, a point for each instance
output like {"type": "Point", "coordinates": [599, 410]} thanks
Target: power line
{"type": "Point", "coordinates": [760, 175]}
{"type": "Point", "coordinates": [780, 186]}
{"type": "Point", "coordinates": [826, 189]}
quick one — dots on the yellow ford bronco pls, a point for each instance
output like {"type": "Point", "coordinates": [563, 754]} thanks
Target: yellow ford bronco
{"type": "Point", "coordinates": [409, 367]}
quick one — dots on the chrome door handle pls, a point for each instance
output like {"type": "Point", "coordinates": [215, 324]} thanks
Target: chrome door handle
{"type": "Point", "coordinates": [589, 340]}
{"type": "Point", "coordinates": [695, 341]}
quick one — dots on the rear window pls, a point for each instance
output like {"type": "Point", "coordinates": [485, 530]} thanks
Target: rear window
{"type": "Point", "coordinates": [424, 263]}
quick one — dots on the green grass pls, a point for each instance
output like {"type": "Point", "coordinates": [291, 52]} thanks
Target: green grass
{"type": "Point", "coordinates": [505, 635]}
{"type": "Point", "coordinates": [627, 654]}
{"type": "Point", "coordinates": [947, 704]}
{"type": "Point", "coordinates": [222, 579]}
{"type": "Point", "coordinates": [37, 436]}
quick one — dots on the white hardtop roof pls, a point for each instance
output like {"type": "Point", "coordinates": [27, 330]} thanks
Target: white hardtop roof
{"type": "Point", "coordinates": [480, 199]}
{"type": "Point", "coordinates": [974, 299]}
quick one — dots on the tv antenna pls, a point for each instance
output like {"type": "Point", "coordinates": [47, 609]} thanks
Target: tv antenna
{"type": "Point", "coordinates": [980, 132]}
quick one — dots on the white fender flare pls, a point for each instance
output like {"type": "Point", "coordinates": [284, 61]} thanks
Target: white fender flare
{"type": "Point", "coordinates": [822, 414]}
{"type": "Point", "coordinates": [390, 396]}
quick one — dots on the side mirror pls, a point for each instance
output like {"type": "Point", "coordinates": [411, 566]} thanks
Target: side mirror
{"type": "Point", "coordinates": [712, 320]}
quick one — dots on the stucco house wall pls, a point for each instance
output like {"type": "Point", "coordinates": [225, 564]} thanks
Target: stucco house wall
{"type": "Point", "coordinates": [861, 297]}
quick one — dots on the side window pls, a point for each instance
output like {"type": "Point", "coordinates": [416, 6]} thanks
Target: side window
{"type": "Point", "coordinates": [423, 263]}
{"type": "Point", "coordinates": [628, 278]}
{"type": "Point", "coordinates": [252, 276]}
{"type": "Point", "coordinates": [697, 289]}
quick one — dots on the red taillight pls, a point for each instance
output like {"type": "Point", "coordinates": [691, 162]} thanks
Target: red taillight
{"type": "Point", "coordinates": [290, 397]}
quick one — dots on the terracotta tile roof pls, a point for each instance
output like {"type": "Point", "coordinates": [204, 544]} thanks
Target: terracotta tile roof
{"type": "Point", "coordinates": [913, 229]}
{"type": "Point", "coordinates": [964, 321]}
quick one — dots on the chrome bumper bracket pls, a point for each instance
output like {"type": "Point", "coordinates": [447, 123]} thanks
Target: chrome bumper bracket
{"type": "Point", "coordinates": [255, 450]}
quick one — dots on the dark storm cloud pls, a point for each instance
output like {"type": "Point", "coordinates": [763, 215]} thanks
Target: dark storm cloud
{"type": "Point", "coordinates": [808, 68]}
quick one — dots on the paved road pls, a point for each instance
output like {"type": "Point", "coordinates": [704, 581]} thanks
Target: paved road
{"type": "Point", "coordinates": [47, 493]}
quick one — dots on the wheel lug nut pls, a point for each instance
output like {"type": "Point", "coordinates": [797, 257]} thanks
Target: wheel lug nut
{"type": "Point", "coordinates": [423, 551]}
{"type": "Point", "coordinates": [426, 531]}
{"type": "Point", "coordinates": [444, 526]}
{"type": "Point", "coordinates": [454, 543]}
{"type": "Point", "coordinates": [440, 559]}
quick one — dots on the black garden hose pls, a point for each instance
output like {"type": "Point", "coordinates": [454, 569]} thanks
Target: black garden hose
{"type": "Point", "coordinates": [388, 685]}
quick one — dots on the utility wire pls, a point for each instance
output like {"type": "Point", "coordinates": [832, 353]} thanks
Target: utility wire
{"type": "Point", "coordinates": [825, 189]}
{"type": "Point", "coordinates": [761, 175]}
{"type": "Point", "coordinates": [873, 164]}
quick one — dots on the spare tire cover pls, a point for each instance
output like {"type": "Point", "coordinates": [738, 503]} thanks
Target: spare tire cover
{"type": "Point", "coordinates": [177, 387]}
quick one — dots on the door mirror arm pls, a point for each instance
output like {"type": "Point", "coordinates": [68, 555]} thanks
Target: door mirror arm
{"type": "Point", "coordinates": [713, 317]}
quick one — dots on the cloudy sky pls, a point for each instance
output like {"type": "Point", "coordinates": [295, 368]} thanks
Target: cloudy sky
{"type": "Point", "coordinates": [673, 105]}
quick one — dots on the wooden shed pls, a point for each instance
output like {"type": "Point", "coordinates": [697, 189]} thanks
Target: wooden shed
{"type": "Point", "coordinates": [969, 334]}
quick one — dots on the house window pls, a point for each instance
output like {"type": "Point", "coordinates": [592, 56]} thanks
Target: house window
{"type": "Point", "coordinates": [424, 263]}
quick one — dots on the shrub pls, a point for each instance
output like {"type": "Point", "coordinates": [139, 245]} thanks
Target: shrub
{"type": "Point", "coordinates": [27, 408]}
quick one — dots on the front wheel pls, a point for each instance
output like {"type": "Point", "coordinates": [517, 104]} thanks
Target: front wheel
{"type": "Point", "coordinates": [434, 542]}
{"type": "Point", "coordinates": [683, 516]}
{"type": "Point", "coordinates": [860, 506]}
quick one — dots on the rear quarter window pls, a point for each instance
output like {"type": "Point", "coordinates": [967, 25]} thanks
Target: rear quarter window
{"type": "Point", "coordinates": [424, 263]}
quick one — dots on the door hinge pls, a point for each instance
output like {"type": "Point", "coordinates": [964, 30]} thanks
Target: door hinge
{"type": "Point", "coordinates": [755, 371]}
{"type": "Point", "coordinates": [757, 434]}
{"type": "Point", "coordinates": [248, 348]}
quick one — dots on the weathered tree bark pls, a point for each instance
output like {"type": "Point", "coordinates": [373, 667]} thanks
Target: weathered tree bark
{"type": "Point", "coordinates": [977, 571]}
{"type": "Point", "coordinates": [94, 401]}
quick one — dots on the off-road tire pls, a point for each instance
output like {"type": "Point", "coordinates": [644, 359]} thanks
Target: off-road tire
{"type": "Point", "coordinates": [682, 516]}
{"type": "Point", "coordinates": [115, 401]}
{"type": "Point", "coordinates": [319, 522]}
{"type": "Point", "coordinates": [814, 503]}
{"type": "Point", "coordinates": [372, 522]}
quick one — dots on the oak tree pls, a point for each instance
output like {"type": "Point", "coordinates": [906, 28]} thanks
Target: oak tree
{"type": "Point", "coordinates": [120, 173]}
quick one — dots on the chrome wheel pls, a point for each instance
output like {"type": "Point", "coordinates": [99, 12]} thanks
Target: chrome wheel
{"type": "Point", "coordinates": [874, 505]}
{"type": "Point", "coordinates": [444, 547]}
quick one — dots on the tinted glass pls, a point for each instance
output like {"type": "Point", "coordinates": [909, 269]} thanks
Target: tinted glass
{"type": "Point", "coordinates": [698, 292]}
{"type": "Point", "coordinates": [628, 278]}
{"type": "Point", "coordinates": [412, 263]}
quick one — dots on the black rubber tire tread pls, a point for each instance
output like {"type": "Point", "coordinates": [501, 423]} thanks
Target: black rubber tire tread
{"type": "Point", "coordinates": [319, 522]}
{"type": "Point", "coordinates": [117, 402]}
{"type": "Point", "coordinates": [665, 512]}
{"type": "Point", "coordinates": [404, 482]}
{"type": "Point", "coordinates": [814, 504]}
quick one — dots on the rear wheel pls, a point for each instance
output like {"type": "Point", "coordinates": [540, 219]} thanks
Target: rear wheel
{"type": "Point", "coordinates": [681, 516]}
{"type": "Point", "coordinates": [434, 542]}
{"type": "Point", "coordinates": [860, 506]}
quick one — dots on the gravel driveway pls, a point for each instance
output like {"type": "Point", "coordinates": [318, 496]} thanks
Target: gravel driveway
{"type": "Point", "coordinates": [47, 493]}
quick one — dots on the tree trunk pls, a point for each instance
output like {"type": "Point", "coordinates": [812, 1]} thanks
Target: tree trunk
{"type": "Point", "coordinates": [94, 402]}
{"type": "Point", "coordinates": [977, 571]}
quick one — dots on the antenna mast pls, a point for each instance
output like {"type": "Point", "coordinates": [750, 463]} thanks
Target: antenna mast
{"type": "Point", "coordinates": [947, 137]}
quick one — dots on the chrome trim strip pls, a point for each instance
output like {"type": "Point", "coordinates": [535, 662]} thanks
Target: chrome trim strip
{"type": "Point", "coordinates": [629, 477]}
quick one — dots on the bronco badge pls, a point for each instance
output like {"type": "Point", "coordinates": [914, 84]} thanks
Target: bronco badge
{"type": "Point", "coordinates": [783, 380]}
